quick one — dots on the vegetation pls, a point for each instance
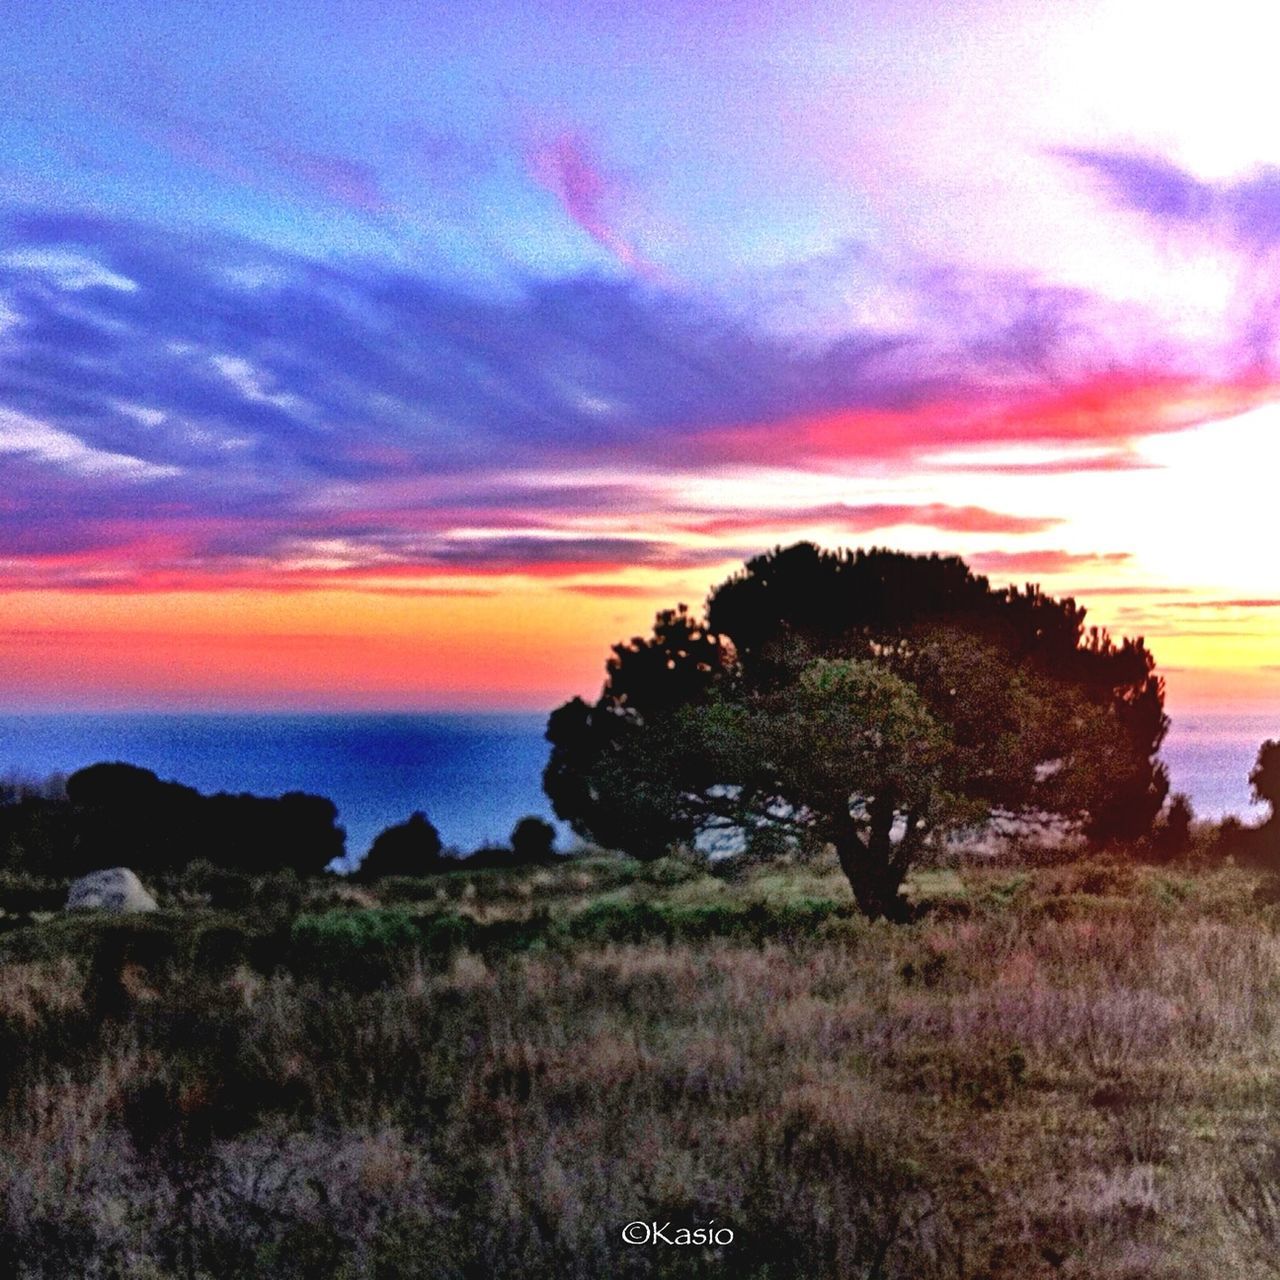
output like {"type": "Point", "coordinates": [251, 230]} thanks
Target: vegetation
{"type": "Point", "coordinates": [411, 848]}
{"type": "Point", "coordinates": [115, 814]}
{"type": "Point", "coordinates": [1062, 1069]}
{"type": "Point", "coordinates": [997, 1062]}
{"type": "Point", "coordinates": [868, 700]}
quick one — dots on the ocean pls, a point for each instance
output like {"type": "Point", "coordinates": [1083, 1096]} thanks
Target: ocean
{"type": "Point", "coordinates": [473, 775]}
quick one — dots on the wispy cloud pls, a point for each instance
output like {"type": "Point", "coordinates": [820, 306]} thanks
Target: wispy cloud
{"type": "Point", "coordinates": [868, 517]}
{"type": "Point", "coordinates": [304, 404]}
{"type": "Point", "coordinates": [40, 443]}
{"type": "Point", "coordinates": [340, 178]}
{"type": "Point", "coordinates": [567, 167]}
{"type": "Point", "coordinates": [1044, 561]}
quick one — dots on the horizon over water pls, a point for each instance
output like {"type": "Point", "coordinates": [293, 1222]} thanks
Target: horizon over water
{"type": "Point", "coordinates": [473, 773]}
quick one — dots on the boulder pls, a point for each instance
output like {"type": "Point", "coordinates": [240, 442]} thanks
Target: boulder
{"type": "Point", "coordinates": [116, 890]}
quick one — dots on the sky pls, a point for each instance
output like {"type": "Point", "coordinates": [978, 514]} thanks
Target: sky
{"type": "Point", "coordinates": [407, 355]}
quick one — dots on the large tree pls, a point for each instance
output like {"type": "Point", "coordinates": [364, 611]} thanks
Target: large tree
{"type": "Point", "coordinates": [870, 699]}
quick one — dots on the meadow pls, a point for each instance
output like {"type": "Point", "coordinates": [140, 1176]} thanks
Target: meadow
{"type": "Point", "coordinates": [1057, 1068]}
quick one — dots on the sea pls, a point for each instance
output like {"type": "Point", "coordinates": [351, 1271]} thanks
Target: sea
{"type": "Point", "coordinates": [474, 776]}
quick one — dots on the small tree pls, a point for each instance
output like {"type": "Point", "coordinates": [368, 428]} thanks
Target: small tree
{"type": "Point", "coordinates": [410, 848]}
{"type": "Point", "coordinates": [533, 840]}
{"type": "Point", "coordinates": [1172, 837]}
{"type": "Point", "coordinates": [1264, 778]}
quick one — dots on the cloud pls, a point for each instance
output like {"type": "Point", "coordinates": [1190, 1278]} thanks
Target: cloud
{"type": "Point", "coordinates": [609, 590]}
{"type": "Point", "coordinates": [67, 269]}
{"type": "Point", "coordinates": [1261, 603]}
{"type": "Point", "coordinates": [1132, 589]}
{"type": "Point", "coordinates": [1240, 216]}
{"type": "Point", "coordinates": [39, 442]}
{"type": "Point", "coordinates": [270, 402]}
{"type": "Point", "coordinates": [1106, 410]}
{"type": "Point", "coordinates": [872, 516]}
{"type": "Point", "coordinates": [1042, 561]}
{"type": "Point", "coordinates": [346, 181]}
{"type": "Point", "coordinates": [566, 166]}
{"type": "Point", "coordinates": [1244, 211]}
{"type": "Point", "coordinates": [1149, 184]}
{"type": "Point", "coordinates": [1074, 462]}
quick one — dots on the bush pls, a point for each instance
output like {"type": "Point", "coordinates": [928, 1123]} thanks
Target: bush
{"type": "Point", "coordinates": [533, 840]}
{"type": "Point", "coordinates": [22, 893]}
{"type": "Point", "coordinates": [360, 949]}
{"type": "Point", "coordinates": [1172, 836]}
{"type": "Point", "coordinates": [224, 888]}
{"type": "Point", "coordinates": [395, 889]}
{"type": "Point", "coordinates": [411, 848]}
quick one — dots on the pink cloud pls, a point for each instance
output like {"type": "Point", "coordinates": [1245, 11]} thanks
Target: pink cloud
{"type": "Point", "coordinates": [1042, 561]}
{"type": "Point", "coordinates": [1110, 410]}
{"type": "Point", "coordinates": [347, 181]}
{"type": "Point", "coordinates": [871, 516]}
{"type": "Point", "coordinates": [611, 590]}
{"type": "Point", "coordinates": [567, 167]}
{"type": "Point", "coordinates": [1222, 604]}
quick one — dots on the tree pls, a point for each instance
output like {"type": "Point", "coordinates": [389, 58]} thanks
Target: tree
{"type": "Point", "coordinates": [1264, 778]}
{"type": "Point", "coordinates": [533, 840]}
{"type": "Point", "coordinates": [124, 815]}
{"type": "Point", "coordinates": [410, 848]}
{"type": "Point", "coordinates": [868, 698]}
{"type": "Point", "coordinates": [1172, 837]}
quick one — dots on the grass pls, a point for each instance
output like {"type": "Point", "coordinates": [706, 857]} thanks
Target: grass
{"type": "Point", "coordinates": [1066, 1070]}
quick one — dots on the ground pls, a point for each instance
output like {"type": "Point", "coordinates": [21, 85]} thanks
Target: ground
{"type": "Point", "coordinates": [1056, 1070]}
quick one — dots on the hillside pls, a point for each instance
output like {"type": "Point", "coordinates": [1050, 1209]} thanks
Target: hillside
{"type": "Point", "coordinates": [1065, 1070]}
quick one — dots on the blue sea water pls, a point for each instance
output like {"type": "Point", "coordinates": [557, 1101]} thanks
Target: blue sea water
{"type": "Point", "coordinates": [473, 775]}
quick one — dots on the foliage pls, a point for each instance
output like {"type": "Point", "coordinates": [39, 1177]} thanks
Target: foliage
{"type": "Point", "coordinates": [533, 840]}
{"type": "Point", "coordinates": [116, 814]}
{"type": "Point", "coordinates": [351, 947]}
{"type": "Point", "coordinates": [411, 848]}
{"type": "Point", "coordinates": [1015, 1094]}
{"type": "Point", "coordinates": [868, 699]}
{"type": "Point", "coordinates": [1264, 778]}
{"type": "Point", "coordinates": [1172, 836]}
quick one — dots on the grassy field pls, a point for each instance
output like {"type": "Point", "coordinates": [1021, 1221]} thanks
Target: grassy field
{"type": "Point", "coordinates": [1067, 1070]}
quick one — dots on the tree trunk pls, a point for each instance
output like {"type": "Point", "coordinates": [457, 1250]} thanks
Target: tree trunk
{"type": "Point", "coordinates": [874, 875]}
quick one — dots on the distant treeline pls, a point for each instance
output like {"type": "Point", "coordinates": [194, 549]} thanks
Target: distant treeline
{"type": "Point", "coordinates": [116, 814]}
{"type": "Point", "coordinates": [120, 815]}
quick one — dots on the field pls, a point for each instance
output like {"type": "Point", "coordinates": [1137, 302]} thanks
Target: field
{"type": "Point", "coordinates": [1056, 1070]}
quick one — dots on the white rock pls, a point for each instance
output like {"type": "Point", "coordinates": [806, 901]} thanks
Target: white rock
{"type": "Point", "coordinates": [116, 890]}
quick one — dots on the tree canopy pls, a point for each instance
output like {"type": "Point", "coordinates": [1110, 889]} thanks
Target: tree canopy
{"type": "Point", "coordinates": [118, 814]}
{"type": "Point", "coordinates": [410, 848]}
{"type": "Point", "coordinates": [869, 698]}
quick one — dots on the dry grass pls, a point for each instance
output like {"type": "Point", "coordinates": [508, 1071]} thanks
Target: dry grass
{"type": "Point", "coordinates": [1068, 1071]}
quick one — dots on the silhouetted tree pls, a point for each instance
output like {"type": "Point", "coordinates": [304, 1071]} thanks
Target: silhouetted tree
{"type": "Point", "coordinates": [410, 848]}
{"type": "Point", "coordinates": [124, 815]}
{"type": "Point", "coordinates": [869, 698]}
{"type": "Point", "coordinates": [533, 840]}
{"type": "Point", "coordinates": [1172, 838]}
{"type": "Point", "coordinates": [1261, 844]}
{"type": "Point", "coordinates": [1264, 778]}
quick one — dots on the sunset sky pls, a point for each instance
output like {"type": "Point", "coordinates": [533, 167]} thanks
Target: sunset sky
{"type": "Point", "coordinates": [407, 355]}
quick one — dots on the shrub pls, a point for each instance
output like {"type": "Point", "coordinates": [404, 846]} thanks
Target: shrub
{"type": "Point", "coordinates": [22, 893]}
{"type": "Point", "coordinates": [411, 848]}
{"type": "Point", "coordinates": [533, 840]}
{"type": "Point", "coordinates": [225, 888]}
{"type": "Point", "coordinates": [1172, 836]}
{"type": "Point", "coordinates": [678, 867]}
{"type": "Point", "coordinates": [352, 948]}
